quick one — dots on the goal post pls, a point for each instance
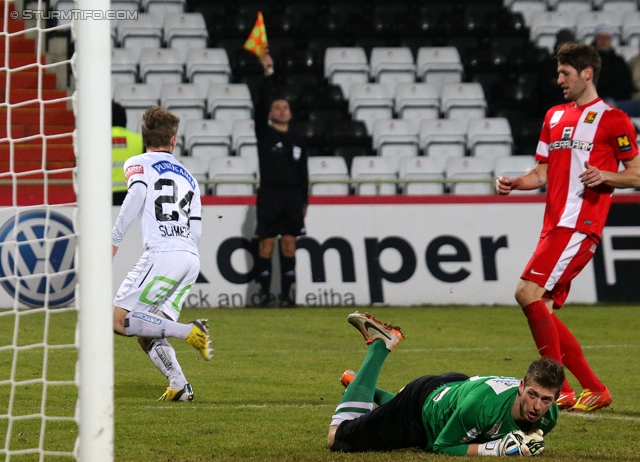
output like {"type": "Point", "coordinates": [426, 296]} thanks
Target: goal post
{"type": "Point", "coordinates": [92, 70]}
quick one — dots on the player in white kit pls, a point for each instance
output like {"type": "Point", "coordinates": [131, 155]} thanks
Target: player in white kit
{"type": "Point", "coordinates": [166, 199]}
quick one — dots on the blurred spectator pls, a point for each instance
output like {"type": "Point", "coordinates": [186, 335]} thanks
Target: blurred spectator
{"type": "Point", "coordinates": [615, 83]}
{"type": "Point", "coordinates": [124, 144]}
{"type": "Point", "coordinates": [549, 92]}
{"type": "Point", "coordinates": [634, 66]}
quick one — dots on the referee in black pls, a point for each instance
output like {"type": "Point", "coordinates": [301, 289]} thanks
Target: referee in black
{"type": "Point", "coordinates": [283, 192]}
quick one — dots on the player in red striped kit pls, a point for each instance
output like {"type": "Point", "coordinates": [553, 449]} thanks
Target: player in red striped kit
{"type": "Point", "coordinates": [581, 147]}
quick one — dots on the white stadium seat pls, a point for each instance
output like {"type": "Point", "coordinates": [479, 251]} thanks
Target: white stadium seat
{"type": "Point", "coordinates": [463, 100]}
{"type": "Point", "coordinates": [164, 6]}
{"type": "Point", "coordinates": [207, 138]}
{"type": "Point", "coordinates": [344, 66]}
{"type": "Point", "coordinates": [392, 65]}
{"type": "Point", "coordinates": [144, 32]}
{"type": "Point", "coordinates": [439, 65]}
{"type": "Point", "coordinates": [161, 65]}
{"type": "Point", "coordinates": [479, 169]}
{"type": "Point", "coordinates": [443, 138]}
{"type": "Point", "coordinates": [631, 28]}
{"type": "Point", "coordinates": [229, 101]}
{"type": "Point", "coordinates": [589, 21]}
{"type": "Point", "coordinates": [545, 25]}
{"type": "Point", "coordinates": [527, 8]}
{"type": "Point", "coordinates": [373, 169]}
{"type": "Point", "coordinates": [328, 168]}
{"type": "Point", "coordinates": [370, 101]}
{"type": "Point", "coordinates": [489, 137]}
{"type": "Point", "coordinates": [187, 101]}
{"type": "Point", "coordinates": [136, 98]}
{"type": "Point", "coordinates": [572, 10]}
{"type": "Point", "coordinates": [185, 31]}
{"type": "Point", "coordinates": [205, 66]}
{"type": "Point", "coordinates": [395, 138]}
{"type": "Point", "coordinates": [124, 66]}
{"type": "Point", "coordinates": [417, 101]}
{"type": "Point", "coordinates": [243, 137]}
{"type": "Point", "coordinates": [422, 168]}
{"type": "Point", "coordinates": [232, 168]}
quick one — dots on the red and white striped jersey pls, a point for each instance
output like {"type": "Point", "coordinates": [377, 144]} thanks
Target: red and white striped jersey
{"type": "Point", "coordinates": [597, 133]}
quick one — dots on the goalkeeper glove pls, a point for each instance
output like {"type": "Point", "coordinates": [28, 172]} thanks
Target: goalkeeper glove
{"type": "Point", "coordinates": [516, 443]}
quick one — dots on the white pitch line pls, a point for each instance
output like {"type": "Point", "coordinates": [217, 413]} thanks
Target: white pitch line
{"type": "Point", "coordinates": [589, 415]}
{"type": "Point", "coordinates": [584, 347]}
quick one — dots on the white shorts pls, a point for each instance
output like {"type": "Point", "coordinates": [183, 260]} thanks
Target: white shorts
{"type": "Point", "coordinates": [160, 282]}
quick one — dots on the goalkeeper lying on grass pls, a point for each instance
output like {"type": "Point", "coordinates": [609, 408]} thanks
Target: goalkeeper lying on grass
{"type": "Point", "coordinates": [449, 413]}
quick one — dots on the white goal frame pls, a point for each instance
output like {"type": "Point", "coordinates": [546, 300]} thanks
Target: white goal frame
{"type": "Point", "coordinates": [92, 101]}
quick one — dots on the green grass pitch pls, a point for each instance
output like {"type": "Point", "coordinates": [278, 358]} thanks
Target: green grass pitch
{"type": "Point", "coordinates": [272, 386]}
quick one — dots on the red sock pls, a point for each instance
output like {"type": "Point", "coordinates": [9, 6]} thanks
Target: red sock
{"type": "Point", "coordinates": [573, 358]}
{"type": "Point", "coordinates": [545, 333]}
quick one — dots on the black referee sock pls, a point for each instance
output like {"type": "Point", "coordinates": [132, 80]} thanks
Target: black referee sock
{"type": "Point", "coordinates": [263, 274]}
{"type": "Point", "coordinates": [287, 274]}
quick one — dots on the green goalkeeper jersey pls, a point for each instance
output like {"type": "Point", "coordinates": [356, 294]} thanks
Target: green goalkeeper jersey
{"type": "Point", "coordinates": [477, 410]}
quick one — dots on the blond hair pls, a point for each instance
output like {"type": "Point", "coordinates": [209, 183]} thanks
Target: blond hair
{"type": "Point", "coordinates": [158, 126]}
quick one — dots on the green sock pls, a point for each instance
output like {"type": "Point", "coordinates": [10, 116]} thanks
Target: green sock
{"type": "Point", "coordinates": [382, 396]}
{"type": "Point", "coordinates": [363, 387]}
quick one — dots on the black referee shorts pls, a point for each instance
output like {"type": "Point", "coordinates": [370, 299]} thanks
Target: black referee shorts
{"type": "Point", "coordinates": [280, 212]}
{"type": "Point", "coordinates": [396, 424]}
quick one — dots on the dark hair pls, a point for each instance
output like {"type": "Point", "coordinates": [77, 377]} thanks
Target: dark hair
{"type": "Point", "coordinates": [580, 56]}
{"type": "Point", "coordinates": [546, 372]}
{"type": "Point", "coordinates": [118, 115]}
{"type": "Point", "coordinates": [158, 126]}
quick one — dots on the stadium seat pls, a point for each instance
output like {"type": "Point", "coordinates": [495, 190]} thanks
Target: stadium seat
{"type": "Point", "coordinates": [207, 66]}
{"type": "Point", "coordinates": [229, 101]}
{"type": "Point", "coordinates": [470, 168]}
{"type": "Point", "coordinates": [164, 6]}
{"type": "Point", "coordinates": [132, 6]}
{"type": "Point", "coordinates": [631, 28]}
{"type": "Point", "coordinates": [392, 65]}
{"type": "Point", "coordinates": [344, 66]}
{"type": "Point", "coordinates": [514, 166]}
{"type": "Point", "coordinates": [207, 138]}
{"type": "Point", "coordinates": [621, 6]}
{"type": "Point", "coordinates": [144, 32]}
{"type": "Point", "coordinates": [545, 25]}
{"type": "Point", "coordinates": [62, 6]}
{"type": "Point", "coordinates": [243, 138]}
{"type": "Point", "coordinates": [422, 168]}
{"type": "Point", "coordinates": [417, 101]}
{"type": "Point", "coordinates": [572, 10]}
{"type": "Point", "coordinates": [372, 169]}
{"type": "Point", "coordinates": [185, 31]}
{"type": "Point", "coordinates": [489, 137]}
{"type": "Point", "coordinates": [527, 8]}
{"type": "Point", "coordinates": [395, 138]}
{"type": "Point", "coordinates": [589, 21]}
{"type": "Point", "coordinates": [124, 66]}
{"type": "Point", "coordinates": [187, 101]}
{"type": "Point", "coordinates": [439, 65]}
{"type": "Point", "coordinates": [443, 138]}
{"type": "Point", "coordinates": [161, 65]}
{"type": "Point", "coordinates": [232, 168]}
{"type": "Point", "coordinates": [370, 101]}
{"type": "Point", "coordinates": [463, 100]}
{"type": "Point", "coordinates": [198, 167]}
{"type": "Point", "coordinates": [328, 168]}
{"type": "Point", "coordinates": [136, 98]}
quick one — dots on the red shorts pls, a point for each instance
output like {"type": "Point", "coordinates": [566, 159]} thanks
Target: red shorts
{"type": "Point", "coordinates": [559, 257]}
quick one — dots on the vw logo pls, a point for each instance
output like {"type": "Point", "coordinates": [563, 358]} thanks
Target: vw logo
{"type": "Point", "coordinates": [37, 258]}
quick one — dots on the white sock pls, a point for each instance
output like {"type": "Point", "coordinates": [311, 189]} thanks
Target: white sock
{"type": "Point", "coordinates": [143, 324]}
{"type": "Point", "coordinates": [163, 356]}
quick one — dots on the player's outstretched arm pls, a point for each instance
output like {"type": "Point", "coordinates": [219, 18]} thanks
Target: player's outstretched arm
{"type": "Point", "coordinates": [533, 179]}
{"type": "Point", "coordinates": [629, 177]}
{"type": "Point", "coordinates": [516, 443]}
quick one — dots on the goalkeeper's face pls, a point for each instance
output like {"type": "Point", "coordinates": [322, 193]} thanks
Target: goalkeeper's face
{"type": "Point", "coordinates": [534, 401]}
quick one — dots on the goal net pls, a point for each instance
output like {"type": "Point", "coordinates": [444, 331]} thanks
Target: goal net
{"type": "Point", "coordinates": [56, 360]}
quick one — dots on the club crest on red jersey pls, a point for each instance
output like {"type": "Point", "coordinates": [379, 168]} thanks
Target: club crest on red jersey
{"type": "Point", "coordinates": [591, 117]}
